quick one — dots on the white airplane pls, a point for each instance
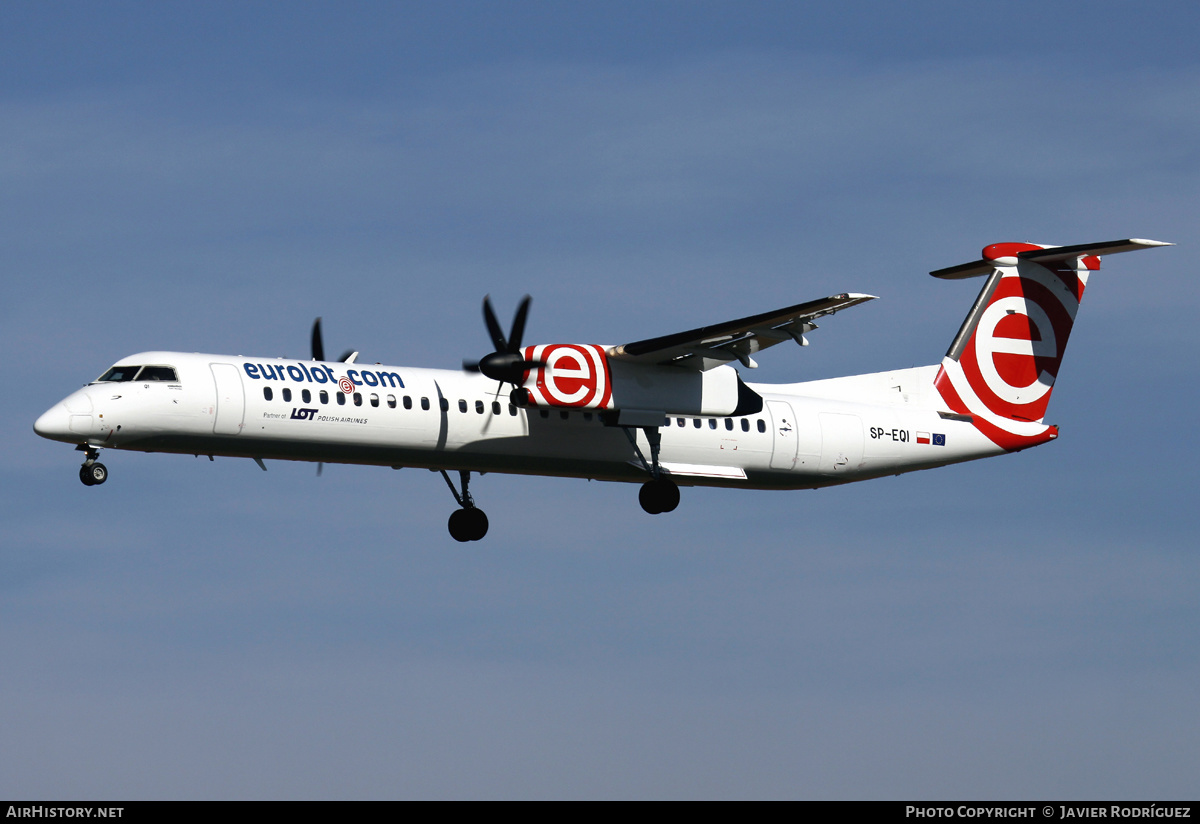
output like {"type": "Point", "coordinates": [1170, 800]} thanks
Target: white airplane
{"type": "Point", "coordinates": [664, 412]}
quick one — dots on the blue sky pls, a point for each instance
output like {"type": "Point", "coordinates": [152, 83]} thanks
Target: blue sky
{"type": "Point", "coordinates": [211, 177]}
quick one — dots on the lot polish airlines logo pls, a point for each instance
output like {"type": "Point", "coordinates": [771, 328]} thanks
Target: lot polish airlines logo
{"type": "Point", "coordinates": [574, 376]}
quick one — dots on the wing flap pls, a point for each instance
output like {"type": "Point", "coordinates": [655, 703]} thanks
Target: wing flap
{"type": "Point", "coordinates": [710, 346]}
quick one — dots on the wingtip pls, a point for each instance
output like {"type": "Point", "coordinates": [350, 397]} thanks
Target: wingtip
{"type": "Point", "coordinates": [1144, 242]}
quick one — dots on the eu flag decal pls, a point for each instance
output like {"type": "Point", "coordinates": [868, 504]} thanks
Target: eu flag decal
{"type": "Point", "coordinates": [939, 440]}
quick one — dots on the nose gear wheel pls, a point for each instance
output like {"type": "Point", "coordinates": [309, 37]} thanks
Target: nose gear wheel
{"type": "Point", "coordinates": [93, 474]}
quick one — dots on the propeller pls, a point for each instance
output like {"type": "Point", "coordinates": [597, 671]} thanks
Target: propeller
{"type": "Point", "coordinates": [318, 346]}
{"type": "Point", "coordinates": [506, 364]}
{"type": "Point", "coordinates": [318, 354]}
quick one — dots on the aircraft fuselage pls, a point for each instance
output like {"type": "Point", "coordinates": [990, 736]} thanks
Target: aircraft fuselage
{"type": "Point", "coordinates": [806, 435]}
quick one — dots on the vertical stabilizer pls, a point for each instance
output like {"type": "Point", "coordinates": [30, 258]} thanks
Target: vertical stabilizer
{"type": "Point", "coordinates": [1002, 365]}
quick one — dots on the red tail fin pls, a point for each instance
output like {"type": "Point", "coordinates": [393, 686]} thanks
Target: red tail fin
{"type": "Point", "coordinates": [1002, 365]}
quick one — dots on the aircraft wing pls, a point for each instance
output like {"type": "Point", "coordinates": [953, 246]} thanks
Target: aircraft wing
{"type": "Point", "coordinates": [710, 346]}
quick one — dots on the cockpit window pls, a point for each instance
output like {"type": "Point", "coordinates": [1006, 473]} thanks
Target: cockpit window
{"type": "Point", "coordinates": [158, 373]}
{"type": "Point", "coordinates": [119, 373]}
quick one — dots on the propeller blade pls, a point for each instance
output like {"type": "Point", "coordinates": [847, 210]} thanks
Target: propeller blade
{"type": "Point", "coordinates": [504, 365]}
{"type": "Point", "coordinates": [493, 325]}
{"type": "Point", "coordinates": [318, 345]}
{"type": "Point", "coordinates": [518, 327]}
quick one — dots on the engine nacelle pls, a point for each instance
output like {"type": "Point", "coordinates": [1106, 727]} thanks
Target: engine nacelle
{"type": "Point", "coordinates": [575, 376]}
{"type": "Point", "coordinates": [581, 376]}
{"type": "Point", "coordinates": [674, 390]}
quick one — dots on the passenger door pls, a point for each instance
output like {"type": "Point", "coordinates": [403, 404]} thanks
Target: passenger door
{"type": "Point", "coordinates": [842, 443]}
{"type": "Point", "coordinates": [231, 400]}
{"type": "Point", "coordinates": [783, 423]}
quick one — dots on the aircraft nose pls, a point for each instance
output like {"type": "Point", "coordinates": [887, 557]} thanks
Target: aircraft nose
{"type": "Point", "coordinates": [55, 424]}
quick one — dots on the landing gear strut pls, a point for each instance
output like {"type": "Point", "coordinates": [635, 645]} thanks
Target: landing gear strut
{"type": "Point", "coordinates": [658, 494]}
{"type": "Point", "coordinates": [92, 473]}
{"type": "Point", "coordinates": [468, 523]}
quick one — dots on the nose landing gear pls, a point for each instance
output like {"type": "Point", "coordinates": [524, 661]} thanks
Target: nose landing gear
{"type": "Point", "coordinates": [92, 473]}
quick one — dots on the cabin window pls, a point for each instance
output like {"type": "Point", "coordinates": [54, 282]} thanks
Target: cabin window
{"type": "Point", "coordinates": [119, 373]}
{"type": "Point", "coordinates": [324, 396]}
{"type": "Point", "coordinates": [563, 414]}
{"type": "Point", "coordinates": [495, 407]}
{"type": "Point", "coordinates": [712, 423]}
{"type": "Point", "coordinates": [408, 402]}
{"type": "Point", "coordinates": [341, 398]}
{"type": "Point", "coordinates": [462, 405]}
{"type": "Point", "coordinates": [267, 394]}
{"type": "Point", "coordinates": [391, 401]}
{"type": "Point", "coordinates": [358, 398]}
{"type": "Point", "coordinates": [444, 404]}
{"type": "Point", "coordinates": [729, 424]}
{"type": "Point", "coordinates": [479, 407]}
{"type": "Point", "coordinates": [512, 410]}
{"type": "Point", "coordinates": [696, 423]}
{"type": "Point", "coordinates": [375, 400]}
{"type": "Point", "coordinates": [587, 416]}
{"type": "Point", "coordinates": [745, 425]}
{"type": "Point", "coordinates": [679, 421]}
{"type": "Point", "coordinates": [306, 396]}
{"type": "Point", "coordinates": [287, 394]}
{"type": "Point", "coordinates": [762, 425]}
{"type": "Point", "coordinates": [158, 373]}
{"type": "Point", "coordinates": [545, 413]}
{"type": "Point", "coordinates": [424, 404]}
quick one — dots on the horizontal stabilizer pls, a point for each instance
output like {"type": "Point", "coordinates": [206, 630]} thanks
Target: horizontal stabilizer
{"type": "Point", "coordinates": [1046, 256]}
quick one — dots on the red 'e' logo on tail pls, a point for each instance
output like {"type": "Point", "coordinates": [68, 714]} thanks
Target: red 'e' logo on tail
{"type": "Point", "coordinates": [1013, 357]}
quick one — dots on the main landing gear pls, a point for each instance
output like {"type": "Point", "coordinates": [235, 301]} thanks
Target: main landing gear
{"type": "Point", "coordinates": [468, 523]}
{"type": "Point", "coordinates": [92, 473]}
{"type": "Point", "coordinates": [659, 494]}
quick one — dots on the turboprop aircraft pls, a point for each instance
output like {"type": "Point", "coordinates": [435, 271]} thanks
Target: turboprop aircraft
{"type": "Point", "coordinates": [664, 412]}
